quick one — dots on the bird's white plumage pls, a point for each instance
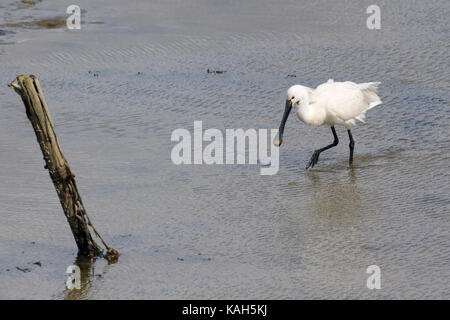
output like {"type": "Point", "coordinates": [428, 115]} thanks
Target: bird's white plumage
{"type": "Point", "coordinates": [334, 103]}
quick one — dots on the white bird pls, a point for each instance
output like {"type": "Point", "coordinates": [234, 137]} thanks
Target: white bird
{"type": "Point", "coordinates": [331, 103]}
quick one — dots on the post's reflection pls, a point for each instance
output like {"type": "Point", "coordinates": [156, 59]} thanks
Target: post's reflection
{"type": "Point", "coordinates": [89, 278]}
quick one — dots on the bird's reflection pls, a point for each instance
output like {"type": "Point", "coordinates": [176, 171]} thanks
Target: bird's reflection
{"type": "Point", "coordinates": [336, 197]}
{"type": "Point", "coordinates": [321, 210]}
{"type": "Point", "coordinates": [352, 175]}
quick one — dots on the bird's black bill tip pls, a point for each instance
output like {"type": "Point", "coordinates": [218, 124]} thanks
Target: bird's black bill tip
{"type": "Point", "coordinates": [287, 110]}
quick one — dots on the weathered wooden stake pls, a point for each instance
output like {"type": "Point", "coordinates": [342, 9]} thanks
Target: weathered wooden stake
{"type": "Point", "coordinates": [63, 178]}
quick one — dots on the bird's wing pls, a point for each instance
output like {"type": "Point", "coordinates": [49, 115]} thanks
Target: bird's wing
{"type": "Point", "coordinates": [322, 92]}
{"type": "Point", "coordinates": [348, 100]}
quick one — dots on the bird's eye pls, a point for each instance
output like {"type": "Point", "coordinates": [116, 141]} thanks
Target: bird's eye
{"type": "Point", "coordinates": [293, 97]}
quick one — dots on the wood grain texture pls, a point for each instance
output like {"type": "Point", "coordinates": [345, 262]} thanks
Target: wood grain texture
{"type": "Point", "coordinates": [63, 179]}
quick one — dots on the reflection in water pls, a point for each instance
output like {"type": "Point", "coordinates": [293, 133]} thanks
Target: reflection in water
{"type": "Point", "coordinates": [352, 175]}
{"type": "Point", "coordinates": [88, 278]}
{"type": "Point", "coordinates": [338, 196]}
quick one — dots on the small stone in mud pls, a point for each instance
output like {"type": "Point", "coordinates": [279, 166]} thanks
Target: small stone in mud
{"type": "Point", "coordinates": [215, 71]}
{"type": "Point", "coordinates": [5, 32]}
{"type": "Point", "coordinates": [292, 76]}
{"type": "Point", "coordinates": [139, 73]}
{"type": "Point", "coordinates": [39, 263]}
{"type": "Point", "coordinates": [24, 270]}
{"type": "Point", "coordinates": [180, 259]}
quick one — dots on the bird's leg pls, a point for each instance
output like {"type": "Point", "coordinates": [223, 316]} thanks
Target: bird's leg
{"type": "Point", "coordinates": [352, 146]}
{"type": "Point", "coordinates": [315, 156]}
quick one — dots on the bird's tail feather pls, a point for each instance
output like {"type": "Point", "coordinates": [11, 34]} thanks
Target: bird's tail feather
{"type": "Point", "coordinates": [370, 93]}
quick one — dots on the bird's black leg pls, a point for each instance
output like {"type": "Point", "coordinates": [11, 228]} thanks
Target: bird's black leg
{"type": "Point", "coordinates": [352, 146]}
{"type": "Point", "coordinates": [315, 156]}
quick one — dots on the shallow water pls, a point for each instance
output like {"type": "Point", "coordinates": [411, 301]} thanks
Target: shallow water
{"type": "Point", "coordinates": [117, 89]}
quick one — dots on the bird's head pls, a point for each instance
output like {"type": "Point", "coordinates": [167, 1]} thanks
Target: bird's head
{"type": "Point", "coordinates": [296, 96]}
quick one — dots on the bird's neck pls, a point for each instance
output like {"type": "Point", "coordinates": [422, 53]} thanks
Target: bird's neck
{"type": "Point", "coordinates": [310, 114]}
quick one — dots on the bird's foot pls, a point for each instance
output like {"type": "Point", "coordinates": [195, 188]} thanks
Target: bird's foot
{"type": "Point", "coordinates": [314, 160]}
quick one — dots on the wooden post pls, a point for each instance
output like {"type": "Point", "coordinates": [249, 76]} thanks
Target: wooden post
{"type": "Point", "coordinates": [60, 173]}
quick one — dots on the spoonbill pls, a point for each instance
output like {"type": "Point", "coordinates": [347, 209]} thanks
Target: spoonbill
{"type": "Point", "coordinates": [331, 103]}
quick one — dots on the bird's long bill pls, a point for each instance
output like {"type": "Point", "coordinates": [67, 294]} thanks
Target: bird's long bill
{"type": "Point", "coordinates": [287, 110]}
